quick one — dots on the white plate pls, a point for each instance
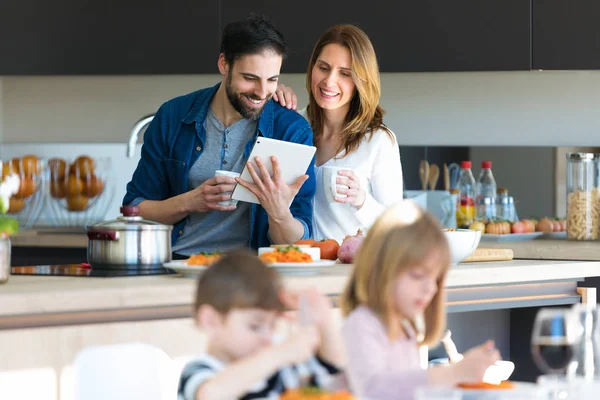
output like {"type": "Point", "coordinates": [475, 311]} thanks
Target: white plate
{"type": "Point", "coordinates": [299, 269]}
{"type": "Point", "coordinates": [181, 267]}
{"type": "Point", "coordinates": [510, 237]}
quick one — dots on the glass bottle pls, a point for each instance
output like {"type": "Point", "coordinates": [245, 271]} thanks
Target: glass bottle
{"type": "Point", "coordinates": [465, 214]}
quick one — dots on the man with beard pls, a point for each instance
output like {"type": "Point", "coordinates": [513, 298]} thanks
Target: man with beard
{"type": "Point", "coordinates": [212, 129]}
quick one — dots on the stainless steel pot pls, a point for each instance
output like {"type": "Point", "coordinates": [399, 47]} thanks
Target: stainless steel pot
{"type": "Point", "coordinates": [129, 242]}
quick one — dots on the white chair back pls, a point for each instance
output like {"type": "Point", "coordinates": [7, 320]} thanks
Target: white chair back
{"type": "Point", "coordinates": [124, 372]}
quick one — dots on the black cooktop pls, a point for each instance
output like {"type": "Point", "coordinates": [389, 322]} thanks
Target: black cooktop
{"type": "Point", "coordinates": [84, 270]}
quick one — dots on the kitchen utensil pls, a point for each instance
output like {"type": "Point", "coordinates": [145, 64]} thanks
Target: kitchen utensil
{"type": "Point", "coordinates": [454, 170]}
{"type": "Point", "coordinates": [434, 175]}
{"type": "Point", "coordinates": [446, 178]}
{"type": "Point", "coordinates": [129, 242]}
{"type": "Point", "coordinates": [450, 347]}
{"type": "Point", "coordinates": [424, 174]}
{"type": "Point", "coordinates": [490, 255]}
{"type": "Point", "coordinates": [499, 371]}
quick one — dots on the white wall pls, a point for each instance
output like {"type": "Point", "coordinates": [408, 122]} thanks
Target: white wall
{"type": "Point", "coordinates": [526, 108]}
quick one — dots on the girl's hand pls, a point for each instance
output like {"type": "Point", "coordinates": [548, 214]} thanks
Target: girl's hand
{"type": "Point", "coordinates": [355, 195]}
{"type": "Point", "coordinates": [477, 360]}
{"type": "Point", "coordinates": [286, 97]}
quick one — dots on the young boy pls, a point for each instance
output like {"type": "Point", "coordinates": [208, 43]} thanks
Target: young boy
{"type": "Point", "coordinates": [238, 303]}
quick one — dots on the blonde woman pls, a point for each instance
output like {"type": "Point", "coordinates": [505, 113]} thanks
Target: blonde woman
{"type": "Point", "coordinates": [344, 112]}
{"type": "Point", "coordinates": [398, 280]}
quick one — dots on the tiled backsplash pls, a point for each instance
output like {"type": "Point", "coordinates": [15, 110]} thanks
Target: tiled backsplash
{"type": "Point", "coordinates": [122, 167]}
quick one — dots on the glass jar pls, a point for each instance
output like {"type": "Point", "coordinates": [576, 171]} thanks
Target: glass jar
{"type": "Point", "coordinates": [4, 257]}
{"type": "Point", "coordinates": [486, 208]}
{"type": "Point", "coordinates": [583, 197]}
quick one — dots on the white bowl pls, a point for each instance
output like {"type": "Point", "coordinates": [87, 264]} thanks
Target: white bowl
{"type": "Point", "coordinates": [462, 243]}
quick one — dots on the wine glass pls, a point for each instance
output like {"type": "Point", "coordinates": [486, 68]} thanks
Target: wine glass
{"type": "Point", "coordinates": [556, 332]}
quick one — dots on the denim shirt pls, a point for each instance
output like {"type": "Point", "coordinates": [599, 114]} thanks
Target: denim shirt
{"type": "Point", "coordinates": [175, 139]}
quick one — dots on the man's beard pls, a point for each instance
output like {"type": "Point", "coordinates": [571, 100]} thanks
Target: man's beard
{"type": "Point", "coordinates": [238, 104]}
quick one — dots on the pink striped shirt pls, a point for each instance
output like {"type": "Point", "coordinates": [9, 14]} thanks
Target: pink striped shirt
{"type": "Point", "coordinates": [378, 368]}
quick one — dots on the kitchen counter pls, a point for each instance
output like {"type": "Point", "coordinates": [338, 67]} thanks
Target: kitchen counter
{"type": "Point", "coordinates": [550, 249]}
{"type": "Point", "coordinates": [34, 301]}
{"type": "Point", "coordinates": [69, 314]}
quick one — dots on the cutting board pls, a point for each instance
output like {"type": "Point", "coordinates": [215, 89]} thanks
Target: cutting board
{"type": "Point", "coordinates": [481, 254]}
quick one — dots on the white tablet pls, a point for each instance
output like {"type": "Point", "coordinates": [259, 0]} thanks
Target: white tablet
{"type": "Point", "coordinates": [294, 159]}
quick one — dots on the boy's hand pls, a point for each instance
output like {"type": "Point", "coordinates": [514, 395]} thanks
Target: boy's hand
{"type": "Point", "coordinates": [318, 306]}
{"type": "Point", "coordinates": [477, 360]}
{"type": "Point", "coordinates": [299, 346]}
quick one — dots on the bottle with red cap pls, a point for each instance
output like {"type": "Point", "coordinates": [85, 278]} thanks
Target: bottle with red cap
{"type": "Point", "coordinates": [465, 213]}
{"type": "Point", "coordinates": [486, 192]}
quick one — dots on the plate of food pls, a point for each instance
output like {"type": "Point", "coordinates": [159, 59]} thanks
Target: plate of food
{"type": "Point", "coordinates": [293, 260]}
{"type": "Point", "coordinates": [193, 266]}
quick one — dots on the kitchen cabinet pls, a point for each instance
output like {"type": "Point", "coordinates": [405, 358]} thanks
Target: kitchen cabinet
{"type": "Point", "coordinates": [408, 36]}
{"type": "Point", "coordinates": [182, 36]}
{"type": "Point", "coordinates": [565, 34]}
{"type": "Point", "coordinates": [128, 37]}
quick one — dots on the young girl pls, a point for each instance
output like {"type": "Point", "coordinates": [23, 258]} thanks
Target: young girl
{"type": "Point", "coordinates": [398, 280]}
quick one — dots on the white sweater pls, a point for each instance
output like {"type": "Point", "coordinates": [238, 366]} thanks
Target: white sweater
{"type": "Point", "coordinates": [377, 163]}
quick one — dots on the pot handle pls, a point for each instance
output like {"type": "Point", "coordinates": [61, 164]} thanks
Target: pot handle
{"type": "Point", "coordinates": [103, 235]}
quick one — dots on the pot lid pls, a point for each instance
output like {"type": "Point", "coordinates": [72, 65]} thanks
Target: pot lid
{"type": "Point", "coordinates": [130, 221]}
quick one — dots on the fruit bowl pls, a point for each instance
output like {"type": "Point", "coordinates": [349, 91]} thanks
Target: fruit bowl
{"type": "Point", "coordinates": [28, 202]}
{"type": "Point", "coordinates": [79, 191]}
{"type": "Point", "coordinates": [462, 243]}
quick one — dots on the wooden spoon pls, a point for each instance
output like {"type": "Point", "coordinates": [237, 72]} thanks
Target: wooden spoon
{"type": "Point", "coordinates": [434, 175]}
{"type": "Point", "coordinates": [424, 174]}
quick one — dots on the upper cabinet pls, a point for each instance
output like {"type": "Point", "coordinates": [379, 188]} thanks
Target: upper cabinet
{"type": "Point", "coordinates": [566, 34]}
{"type": "Point", "coordinates": [408, 36]}
{"type": "Point", "coordinates": [98, 37]}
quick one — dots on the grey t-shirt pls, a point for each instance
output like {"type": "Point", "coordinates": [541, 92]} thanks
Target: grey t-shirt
{"type": "Point", "coordinates": [218, 230]}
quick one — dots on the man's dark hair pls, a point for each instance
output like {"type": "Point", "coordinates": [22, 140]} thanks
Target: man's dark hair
{"type": "Point", "coordinates": [253, 35]}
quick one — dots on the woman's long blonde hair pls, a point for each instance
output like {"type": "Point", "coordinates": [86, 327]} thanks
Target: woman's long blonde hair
{"type": "Point", "coordinates": [401, 238]}
{"type": "Point", "coordinates": [365, 115]}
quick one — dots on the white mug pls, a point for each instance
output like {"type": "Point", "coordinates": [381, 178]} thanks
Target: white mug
{"type": "Point", "coordinates": [233, 175]}
{"type": "Point", "coordinates": [330, 186]}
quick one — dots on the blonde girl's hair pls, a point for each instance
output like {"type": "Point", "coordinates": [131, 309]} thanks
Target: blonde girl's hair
{"type": "Point", "coordinates": [365, 115]}
{"type": "Point", "coordinates": [401, 238]}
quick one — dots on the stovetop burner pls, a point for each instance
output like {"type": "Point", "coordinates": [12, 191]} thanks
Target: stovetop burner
{"type": "Point", "coordinates": [84, 270]}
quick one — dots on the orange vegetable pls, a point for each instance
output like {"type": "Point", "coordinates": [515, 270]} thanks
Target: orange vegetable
{"type": "Point", "coordinates": [312, 393]}
{"type": "Point", "coordinates": [203, 259]}
{"type": "Point", "coordinates": [483, 385]}
{"type": "Point", "coordinates": [329, 248]}
{"type": "Point", "coordinates": [286, 254]}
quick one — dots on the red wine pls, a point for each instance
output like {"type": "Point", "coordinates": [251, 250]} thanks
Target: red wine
{"type": "Point", "coordinates": [555, 354]}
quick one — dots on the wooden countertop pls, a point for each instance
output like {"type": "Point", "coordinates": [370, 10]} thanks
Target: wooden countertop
{"type": "Point", "coordinates": [24, 296]}
{"type": "Point", "coordinates": [549, 249]}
